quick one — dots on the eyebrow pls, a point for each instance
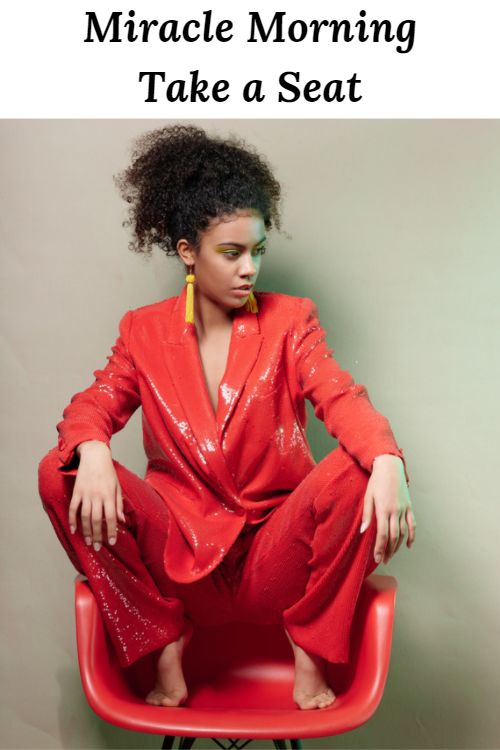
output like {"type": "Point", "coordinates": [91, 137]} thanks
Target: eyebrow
{"type": "Point", "coordinates": [238, 244]}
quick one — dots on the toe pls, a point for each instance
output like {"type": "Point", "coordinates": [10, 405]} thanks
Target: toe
{"type": "Point", "coordinates": [166, 701]}
{"type": "Point", "coordinates": [311, 703]}
{"type": "Point", "coordinates": [326, 699]}
{"type": "Point", "coordinates": [173, 700]}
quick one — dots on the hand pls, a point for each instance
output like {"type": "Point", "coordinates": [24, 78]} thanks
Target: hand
{"type": "Point", "coordinates": [387, 493]}
{"type": "Point", "coordinates": [96, 488]}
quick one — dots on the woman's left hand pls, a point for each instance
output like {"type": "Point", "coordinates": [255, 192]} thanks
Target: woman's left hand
{"type": "Point", "coordinates": [387, 494]}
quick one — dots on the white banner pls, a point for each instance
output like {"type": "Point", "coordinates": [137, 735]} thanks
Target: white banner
{"type": "Point", "coordinates": [317, 59]}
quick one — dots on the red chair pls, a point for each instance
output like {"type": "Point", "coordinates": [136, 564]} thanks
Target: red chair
{"type": "Point", "coordinates": [239, 677]}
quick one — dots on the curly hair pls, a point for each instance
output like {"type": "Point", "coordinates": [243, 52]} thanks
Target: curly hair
{"type": "Point", "coordinates": [181, 178]}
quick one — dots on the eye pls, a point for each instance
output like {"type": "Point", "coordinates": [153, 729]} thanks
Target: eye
{"type": "Point", "coordinates": [236, 253]}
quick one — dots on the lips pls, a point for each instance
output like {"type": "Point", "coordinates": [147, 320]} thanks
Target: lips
{"type": "Point", "coordinates": [245, 286]}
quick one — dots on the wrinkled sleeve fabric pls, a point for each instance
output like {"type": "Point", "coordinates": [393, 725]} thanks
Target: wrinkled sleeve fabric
{"type": "Point", "coordinates": [106, 406]}
{"type": "Point", "coordinates": [343, 405]}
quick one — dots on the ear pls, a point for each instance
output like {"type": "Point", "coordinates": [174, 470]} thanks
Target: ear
{"type": "Point", "coordinates": [186, 252]}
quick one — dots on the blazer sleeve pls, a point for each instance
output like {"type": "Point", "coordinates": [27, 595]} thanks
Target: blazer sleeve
{"type": "Point", "coordinates": [105, 407]}
{"type": "Point", "coordinates": [343, 405]}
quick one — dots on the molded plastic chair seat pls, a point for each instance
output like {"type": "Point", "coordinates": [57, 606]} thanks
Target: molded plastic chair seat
{"type": "Point", "coordinates": [239, 676]}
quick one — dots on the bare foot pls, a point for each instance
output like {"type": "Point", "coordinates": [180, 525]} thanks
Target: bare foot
{"type": "Point", "coordinates": [311, 689]}
{"type": "Point", "coordinates": [170, 688]}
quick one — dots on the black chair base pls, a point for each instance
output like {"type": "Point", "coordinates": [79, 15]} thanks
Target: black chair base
{"type": "Point", "coordinates": [186, 742]}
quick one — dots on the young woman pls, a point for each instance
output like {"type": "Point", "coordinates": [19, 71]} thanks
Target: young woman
{"type": "Point", "coordinates": [233, 519]}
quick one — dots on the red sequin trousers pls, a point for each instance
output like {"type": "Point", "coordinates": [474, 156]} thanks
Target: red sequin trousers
{"type": "Point", "coordinates": [303, 566]}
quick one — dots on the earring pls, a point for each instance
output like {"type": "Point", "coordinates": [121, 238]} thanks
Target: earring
{"type": "Point", "coordinates": [251, 304]}
{"type": "Point", "coordinates": [190, 279]}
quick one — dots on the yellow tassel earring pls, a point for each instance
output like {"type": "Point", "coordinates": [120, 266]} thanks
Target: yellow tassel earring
{"type": "Point", "coordinates": [190, 279]}
{"type": "Point", "coordinates": [251, 304]}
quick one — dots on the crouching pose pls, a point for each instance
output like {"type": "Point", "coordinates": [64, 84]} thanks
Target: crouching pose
{"type": "Point", "coordinates": [233, 520]}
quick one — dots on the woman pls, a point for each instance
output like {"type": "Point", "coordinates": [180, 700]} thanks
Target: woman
{"type": "Point", "coordinates": [233, 519]}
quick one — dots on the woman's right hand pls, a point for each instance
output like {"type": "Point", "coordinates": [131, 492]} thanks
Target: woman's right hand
{"type": "Point", "coordinates": [96, 489]}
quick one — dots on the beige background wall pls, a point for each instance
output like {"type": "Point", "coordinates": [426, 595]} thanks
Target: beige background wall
{"type": "Point", "coordinates": [395, 232]}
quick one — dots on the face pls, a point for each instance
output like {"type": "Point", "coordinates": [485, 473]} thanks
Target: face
{"type": "Point", "coordinates": [229, 256]}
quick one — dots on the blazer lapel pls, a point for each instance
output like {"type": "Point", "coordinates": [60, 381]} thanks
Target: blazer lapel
{"type": "Point", "coordinates": [246, 340]}
{"type": "Point", "coordinates": [186, 371]}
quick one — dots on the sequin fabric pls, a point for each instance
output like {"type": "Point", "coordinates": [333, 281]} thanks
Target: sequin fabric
{"type": "Point", "coordinates": [138, 616]}
{"type": "Point", "coordinates": [221, 489]}
{"type": "Point", "coordinates": [302, 568]}
{"type": "Point", "coordinates": [218, 472]}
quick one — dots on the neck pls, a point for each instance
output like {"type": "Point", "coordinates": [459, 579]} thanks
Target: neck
{"type": "Point", "coordinates": [209, 316]}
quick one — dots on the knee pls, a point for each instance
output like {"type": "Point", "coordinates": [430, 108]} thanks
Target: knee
{"type": "Point", "coordinates": [354, 471]}
{"type": "Point", "coordinates": [343, 482]}
{"type": "Point", "coordinates": [52, 484]}
{"type": "Point", "coordinates": [340, 466]}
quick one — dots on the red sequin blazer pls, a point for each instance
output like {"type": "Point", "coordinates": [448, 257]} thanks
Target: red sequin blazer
{"type": "Point", "coordinates": [217, 471]}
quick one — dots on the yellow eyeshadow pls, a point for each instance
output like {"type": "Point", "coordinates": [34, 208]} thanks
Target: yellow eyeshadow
{"type": "Point", "coordinates": [235, 249]}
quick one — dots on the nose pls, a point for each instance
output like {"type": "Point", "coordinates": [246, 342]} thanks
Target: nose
{"type": "Point", "coordinates": [248, 267]}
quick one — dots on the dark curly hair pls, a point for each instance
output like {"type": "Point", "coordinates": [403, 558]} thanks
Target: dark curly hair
{"type": "Point", "coordinates": [181, 178]}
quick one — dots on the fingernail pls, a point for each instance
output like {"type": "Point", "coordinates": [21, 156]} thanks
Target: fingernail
{"type": "Point", "coordinates": [88, 540]}
{"type": "Point", "coordinates": [363, 526]}
{"type": "Point", "coordinates": [112, 540]}
{"type": "Point", "coordinates": [72, 528]}
{"type": "Point", "coordinates": [378, 558]}
{"type": "Point", "coordinates": [97, 546]}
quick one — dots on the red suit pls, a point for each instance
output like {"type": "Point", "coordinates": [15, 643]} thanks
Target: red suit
{"type": "Point", "coordinates": [217, 485]}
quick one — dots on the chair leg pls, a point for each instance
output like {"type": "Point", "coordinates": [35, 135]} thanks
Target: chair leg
{"type": "Point", "coordinates": [187, 742]}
